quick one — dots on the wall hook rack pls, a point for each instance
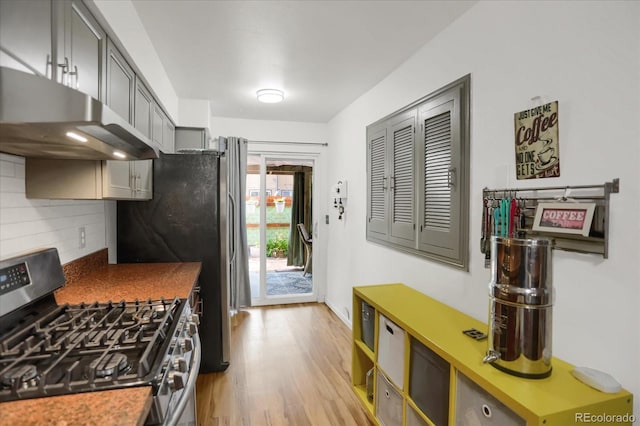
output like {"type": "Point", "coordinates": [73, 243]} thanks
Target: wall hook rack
{"type": "Point", "coordinates": [597, 240]}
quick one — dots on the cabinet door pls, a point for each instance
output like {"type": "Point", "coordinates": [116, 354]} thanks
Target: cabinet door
{"type": "Point", "coordinates": [169, 136]}
{"type": "Point", "coordinates": [142, 110]}
{"type": "Point", "coordinates": [157, 126]}
{"type": "Point", "coordinates": [401, 178]}
{"type": "Point", "coordinates": [120, 84]}
{"type": "Point", "coordinates": [82, 45]}
{"type": "Point", "coordinates": [143, 179]}
{"type": "Point", "coordinates": [440, 189]}
{"type": "Point", "coordinates": [191, 138]}
{"type": "Point", "coordinates": [117, 179]}
{"type": "Point", "coordinates": [26, 35]}
{"type": "Point", "coordinates": [377, 199]}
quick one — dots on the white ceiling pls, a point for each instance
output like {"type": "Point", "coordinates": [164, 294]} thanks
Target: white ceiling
{"type": "Point", "coordinates": [323, 54]}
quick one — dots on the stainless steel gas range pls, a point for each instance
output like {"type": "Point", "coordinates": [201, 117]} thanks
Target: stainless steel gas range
{"type": "Point", "coordinates": [50, 350]}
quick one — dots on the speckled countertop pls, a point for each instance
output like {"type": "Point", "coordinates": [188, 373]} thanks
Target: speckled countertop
{"type": "Point", "coordinates": [113, 407]}
{"type": "Point", "coordinates": [105, 283]}
{"type": "Point", "coordinates": [131, 281]}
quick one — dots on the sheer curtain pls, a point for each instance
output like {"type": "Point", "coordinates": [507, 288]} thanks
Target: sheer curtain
{"type": "Point", "coordinates": [239, 284]}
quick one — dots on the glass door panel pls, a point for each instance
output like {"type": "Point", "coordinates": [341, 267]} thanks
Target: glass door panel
{"type": "Point", "coordinates": [278, 198]}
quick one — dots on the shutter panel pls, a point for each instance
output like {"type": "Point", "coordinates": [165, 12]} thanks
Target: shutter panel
{"type": "Point", "coordinates": [377, 222]}
{"type": "Point", "coordinates": [402, 178]}
{"type": "Point", "coordinates": [437, 160]}
{"type": "Point", "coordinates": [440, 164]}
{"type": "Point", "coordinates": [377, 178]}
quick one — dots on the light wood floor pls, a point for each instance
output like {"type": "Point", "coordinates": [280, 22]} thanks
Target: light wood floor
{"type": "Point", "coordinates": [290, 365]}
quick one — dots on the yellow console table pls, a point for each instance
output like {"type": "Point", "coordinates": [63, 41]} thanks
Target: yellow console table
{"type": "Point", "coordinates": [476, 393]}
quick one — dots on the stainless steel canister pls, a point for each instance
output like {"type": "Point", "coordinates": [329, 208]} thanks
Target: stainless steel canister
{"type": "Point", "coordinates": [520, 312]}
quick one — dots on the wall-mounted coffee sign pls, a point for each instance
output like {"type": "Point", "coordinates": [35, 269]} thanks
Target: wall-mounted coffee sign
{"type": "Point", "coordinates": [536, 138]}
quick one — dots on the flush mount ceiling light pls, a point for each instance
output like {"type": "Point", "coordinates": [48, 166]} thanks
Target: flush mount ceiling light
{"type": "Point", "coordinates": [270, 96]}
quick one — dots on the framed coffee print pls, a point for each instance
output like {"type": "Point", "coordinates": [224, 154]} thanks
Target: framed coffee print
{"type": "Point", "coordinates": [536, 142]}
{"type": "Point", "coordinates": [566, 218]}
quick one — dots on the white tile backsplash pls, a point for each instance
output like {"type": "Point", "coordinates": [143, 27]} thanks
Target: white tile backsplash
{"type": "Point", "coordinates": [28, 224]}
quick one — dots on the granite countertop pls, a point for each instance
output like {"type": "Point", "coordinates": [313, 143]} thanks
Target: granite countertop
{"type": "Point", "coordinates": [131, 281]}
{"type": "Point", "coordinates": [113, 407]}
{"type": "Point", "coordinates": [91, 282]}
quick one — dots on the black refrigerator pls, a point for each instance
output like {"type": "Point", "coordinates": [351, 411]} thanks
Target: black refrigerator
{"type": "Point", "coordinates": [186, 221]}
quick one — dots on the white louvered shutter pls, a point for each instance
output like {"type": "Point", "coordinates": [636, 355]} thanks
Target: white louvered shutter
{"type": "Point", "coordinates": [377, 214]}
{"type": "Point", "coordinates": [402, 180]}
{"type": "Point", "coordinates": [440, 189]}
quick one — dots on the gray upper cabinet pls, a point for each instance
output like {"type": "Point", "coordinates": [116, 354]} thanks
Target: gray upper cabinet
{"type": "Point", "coordinates": [192, 138]}
{"type": "Point", "coordinates": [142, 109]}
{"type": "Point", "coordinates": [169, 136]}
{"type": "Point", "coordinates": [151, 120]}
{"type": "Point", "coordinates": [57, 39]}
{"type": "Point", "coordinates": [157, 126]}
{"type": "Point", "coordinates": [418, 177]}
{"type": "Point", "coordinates": [127, 180]}
{"type": "Point", "coordinates": [120, 84]}
{"type": "Point", "coordinates": [26, 36]}
{"type": "Point", "coordinates": [81, 49]}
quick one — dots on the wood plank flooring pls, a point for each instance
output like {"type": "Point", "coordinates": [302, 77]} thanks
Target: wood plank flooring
{"type": "Point", "coordinates": [290, 365]}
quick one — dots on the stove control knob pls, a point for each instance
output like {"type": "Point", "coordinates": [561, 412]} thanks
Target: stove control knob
{"type": "Point", "coordinates": [176, 381]}
{"type": "Point", "coordinates": [180, 364]}
{"type": "Point", "coordinates": [192, 328]}
{"type": "Point", "coordinates": [194, 318]}
{"type": "Point", "coordinates": [186, 345]}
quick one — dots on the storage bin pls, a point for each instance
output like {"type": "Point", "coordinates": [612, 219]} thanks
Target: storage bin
{"type": "Point", "coordinates": [429, 383]}
{"type": "Point", "coordinates": [475, 407]}
{"type": "Point", "coordinates": [388, 402]}
{"type": "Point", "coordinates": [391, 350]}
{"type": "Point", "coordinates": [413, 418]}
{"type": "Point", "coordinates": [367, 324]}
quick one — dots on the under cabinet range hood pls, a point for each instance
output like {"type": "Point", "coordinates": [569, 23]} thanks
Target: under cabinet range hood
{"type": "Point", "coordinates": [44, 119]}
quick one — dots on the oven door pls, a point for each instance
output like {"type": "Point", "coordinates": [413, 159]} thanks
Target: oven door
{"type": "Point", "coordinates": [182, 410]}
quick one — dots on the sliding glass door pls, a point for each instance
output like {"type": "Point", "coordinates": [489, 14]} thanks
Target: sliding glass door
{"type": "Point", "coordinates": [279, 221]}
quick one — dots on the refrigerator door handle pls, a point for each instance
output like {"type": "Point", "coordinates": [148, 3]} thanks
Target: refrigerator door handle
{"type": "Point", "coordinates": [232, 229]}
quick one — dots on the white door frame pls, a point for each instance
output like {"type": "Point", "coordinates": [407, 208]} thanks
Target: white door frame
{"type": "Point", "coordinates": [292, 153]}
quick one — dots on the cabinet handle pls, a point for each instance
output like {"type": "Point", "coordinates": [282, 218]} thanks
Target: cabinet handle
{"type": "Point", "coordinates": [75, 73]}
{"type": "Point", "coordinates": [48, 67]}
{"type": "Point", "coordinates": [384, 182]}
{"type": "Point", "coordinates": [65, 70]}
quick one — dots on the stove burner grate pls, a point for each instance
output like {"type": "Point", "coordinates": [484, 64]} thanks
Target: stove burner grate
{"type": "Point", "coordinates": [22, 375]}
{"type": "Point", "coordinates": [109, 365]}
{"type": "Point", "coordinates": [79, 348]}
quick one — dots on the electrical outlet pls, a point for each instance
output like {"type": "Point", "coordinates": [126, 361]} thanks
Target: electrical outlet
{"type": "Point", "coordinates": [82, 236]}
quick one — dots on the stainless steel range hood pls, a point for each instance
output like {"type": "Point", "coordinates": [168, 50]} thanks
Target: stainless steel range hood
{"type": "Point", "coordinates": [37, 114]}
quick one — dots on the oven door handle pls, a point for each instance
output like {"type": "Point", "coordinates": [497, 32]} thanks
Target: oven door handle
{"type": "Point", "coordinates": [191, 383]}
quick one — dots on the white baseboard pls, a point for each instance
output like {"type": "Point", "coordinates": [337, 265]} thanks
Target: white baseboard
{"type": "Point", "coordinates": [339, 314]}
